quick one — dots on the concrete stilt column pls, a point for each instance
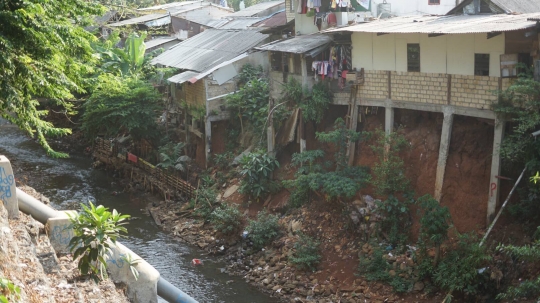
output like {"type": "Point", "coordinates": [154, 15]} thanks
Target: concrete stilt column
{"type": "Point", "coordinates": [8, 189]}
{"type": "Point", "coordinates": [389, 119]}
{"type": "Point", "coordinates": [270, 129]}
{"type": "Point", "coordinates": [60, 231]}
{"type": "Point", "coordinates": [207, 139]}
{"type": "Point", "coordinates": [443, 150]}
{"type": "Point", "coordinates": [495, 170]}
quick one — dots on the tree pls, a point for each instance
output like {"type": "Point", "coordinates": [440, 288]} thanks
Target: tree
{"type": "Point", "coordinates": [44, 52]}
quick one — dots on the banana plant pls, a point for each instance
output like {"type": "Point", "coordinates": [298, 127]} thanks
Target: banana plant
{"type": "Point", "coordinates": [127, 61]}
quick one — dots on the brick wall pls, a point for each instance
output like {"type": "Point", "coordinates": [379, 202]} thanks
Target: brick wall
{"type": "Point", "coordinates": [195, 93]}
{"type": "Point", "coordinates": [375, 86]}
{"type": "Point", "coordinates": [419, 87]}
{"type": "Point", "coordinates": [474, 91]}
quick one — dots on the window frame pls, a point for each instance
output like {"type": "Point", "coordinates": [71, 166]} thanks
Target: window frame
{"type": "Point", "coordinates": [408, 58]}
{"type": "Point", "coordinates": [480, 68]}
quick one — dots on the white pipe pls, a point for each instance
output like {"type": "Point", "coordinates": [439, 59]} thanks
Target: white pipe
{"type": "Point", "coordinates": [43, 213]}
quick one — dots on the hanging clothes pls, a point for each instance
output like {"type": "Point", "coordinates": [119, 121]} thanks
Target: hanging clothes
{"type": "Point", "coordinates": [331, 19]}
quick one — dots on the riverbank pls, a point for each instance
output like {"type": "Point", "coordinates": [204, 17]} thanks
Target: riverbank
{"type": "Point", "coordinates": [30, 262]}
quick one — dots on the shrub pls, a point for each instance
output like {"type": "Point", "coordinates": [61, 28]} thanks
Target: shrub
{"type": "Point", "coordinates": [306, 254]}
{"type": "Point", "coordinates": [223, 160]}
{"type": "Point", "coordinates": [376, 268]}
{"type": "Point", "coordinates": [121, 105]}
{"type": "Point", "coordinates": [257, 168]}
{"type": "Point", "coordinates": [434, 224]}
{"type": "Point", "coordinates": [9, 292]}
{"type": "Point", "coordinates": [226, 219]}
{"type": "Point", "coordinates": [203, 202]}
{"type": "Point", "coordinates": [459, 270]}
{"type": "Point", "coordinates": [95, 229]}
{"type": "Point", "coordinates": [263, 230]}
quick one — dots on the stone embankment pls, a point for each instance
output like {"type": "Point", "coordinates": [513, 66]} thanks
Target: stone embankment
{"type": "Point", "coordinates": [29, 261]}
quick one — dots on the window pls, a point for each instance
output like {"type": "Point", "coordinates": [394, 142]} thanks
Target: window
{"type": "Point", "coordinates": [413, 57]}
{"type": "Point", "coordinates": [481, 64]}
{"type": "Point", "coordinates": [434, 2]}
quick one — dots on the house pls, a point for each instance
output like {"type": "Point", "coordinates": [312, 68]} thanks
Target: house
{"type": "Point", "coordinates": [209, 63]}
{"type": "Point", "coordinates": [311, 20]}
{"type": "Point", "coordinates": [444, 64]}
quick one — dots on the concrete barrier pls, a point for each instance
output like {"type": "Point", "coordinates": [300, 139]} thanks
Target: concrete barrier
{"type": "Point", "coordinates": [142, 290]}
{"type": "Point", "coordinates": [8, 190]}
{"type": "Point", "coordinates": [60, 231]}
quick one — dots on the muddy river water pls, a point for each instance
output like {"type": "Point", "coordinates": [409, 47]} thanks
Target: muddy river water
{"type": "Point", "coordinates": [68, 182]}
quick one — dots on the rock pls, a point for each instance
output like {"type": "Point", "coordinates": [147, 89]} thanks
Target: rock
{"type": "Point", "coordinates": [369, 201]}
{"type": "Point", "coordinates": [418, 286]}
{"type": "Point", "coordinates": [295, 226]}
{"type": "Point", "coordinates": [354, 218]}
{"type": "Point", "coordinates": [231, 190]}
{"type": "Point", "coordinates": [392, 273]}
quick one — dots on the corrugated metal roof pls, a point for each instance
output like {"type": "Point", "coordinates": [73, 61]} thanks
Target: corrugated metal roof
{"type": "Point", "coordinates": [298, 44]}
{"type": "Point", "coordinates": [518, 6]}
{"type": "Point", "coordinates": [507, 6]}
{"type": "Point", "coordinates": [142, 20]}
{"type": "Point", "coordinates": [209, 48]}
{"type": "Point", "coordinates": [253, 10]}
{"type": "Point", "coordinates": [183, 77]}
{"type": "Point", "coordinates": [158, 41]}
{"type": "Point", "coordinates": [273, 21]}
{"type": "Point", "coordinates": [240, 23]}
{"type": "Point", "coordinates": [463, 24]}
{"type": "Point", "coordinates": [168, 6]}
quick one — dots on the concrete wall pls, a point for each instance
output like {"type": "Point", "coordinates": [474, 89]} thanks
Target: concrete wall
{"type": "Point", "coordinates": [447, 54]}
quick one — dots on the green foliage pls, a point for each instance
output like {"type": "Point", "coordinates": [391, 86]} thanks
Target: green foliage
{"type": "Point", "coordinates": [434, 223]}
{"type": "Point", "coordinates": [46, 53]}
{"type": "Point", "coordinates": [306, 253]}
{"type": "Point", "coordinates": [527, 253]}
{"type": "Point", "coordinates": [344, 182]}
{"type": "Point", "coordinates": [389, 180]}
{"type": "Point", "coordinates": [377, 268]}
{"type": "Point", "coordinates": [459, 269]}
{"type": "Point", "coordinates": [204, 202]}
{"type": "Point", "coordinates": [314, 103]}
{"type": "Point", "coordinates": [263, 230]}
{"type": "Point", "coordinates": [128, 61]}
{"type": "Point", "coordinates": [389, 172]}
{"type": "Point", "coordinates": [120, 105]}
{"type": "Point", "coordinates": [95, 229]}
{"type": "Point", "coordinates": [226, 219]}
{"type": "Point", "coordinates": [171, 156]}
{"type": "Point", "coordinates": [9, 291]}
{"type": "Point", "coordinates": [257, 168]}
{"type": "Point", "coordinates": [223, 160]}
{"type": "Point", "coordinates": [339, 137]}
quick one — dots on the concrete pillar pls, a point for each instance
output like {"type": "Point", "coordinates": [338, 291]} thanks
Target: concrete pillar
{"type": "Point", "coordinates": [142, 290]}
{"type": "Point", "coordinates": [60, 231]}
{"type": "Point", "coordinates": [443, 150]}
{"type": "Point", "coordinates": [207, 139]}
{"type": "Point", "coordinates": [8, 189]}
{"type": "Point", "coordinates": [304, 72]}
{"type": "Point", "coordinates": [270, 128]}
{"type": "Point", "coordinates": [493, 199]}
{"type": "Point", "coordinates": [389, 119]}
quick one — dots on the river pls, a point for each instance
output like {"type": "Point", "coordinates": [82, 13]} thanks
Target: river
{"type": "Point", "coordinates": [68, 182]}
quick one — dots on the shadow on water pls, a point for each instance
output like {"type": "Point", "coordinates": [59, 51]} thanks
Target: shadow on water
{"type": "Point", "coordinates": [68, 182]}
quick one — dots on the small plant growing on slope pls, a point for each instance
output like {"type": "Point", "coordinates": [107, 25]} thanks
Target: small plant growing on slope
{"type": "Point", "coordinates": [226, 219]}
{"type": "Point", "coordinates": [390, 181]}
{"type": "Point", "coordinates": [434, 224]}
{"type": "Point", "coordinates": [306, 254]}
{"type": "Point", "coordinates": [95, 229]}
{"type": "Point", "coordinates": [171, 156]}
{"type": "Point", "coordinates": [263, 230]}
{"type": "Point", "coordinates": [9, 292]}
{"type": "Point", "coordinates": [203, 202]}
{"type": "Point", "coordinates": [257, 168]}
